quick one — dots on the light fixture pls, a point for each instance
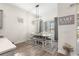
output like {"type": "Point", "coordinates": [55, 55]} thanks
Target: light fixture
{"type": "Point", "coordinates": [38, 19]}
{"type": "Point", "coordinates": [37, 11]}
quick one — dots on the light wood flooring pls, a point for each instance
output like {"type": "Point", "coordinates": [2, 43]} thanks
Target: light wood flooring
{"type": "Point", "coordinates": [24, 49]}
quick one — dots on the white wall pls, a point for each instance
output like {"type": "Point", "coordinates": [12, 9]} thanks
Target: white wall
{"type": "Point", "coordinates": [14, 31]}
{"type": "Point", "coordinates": [48, 10]}
{"type": "Point", "coordinates": [66, 33]}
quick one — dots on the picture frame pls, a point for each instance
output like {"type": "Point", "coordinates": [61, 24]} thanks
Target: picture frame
{"type": "Point", "coordinates": [66, 20]}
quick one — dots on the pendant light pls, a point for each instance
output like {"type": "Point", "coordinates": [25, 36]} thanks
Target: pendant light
{"type": "Point", "coordinates": [38, 19]}
{"type": "Point", "coordinates": [37, 11]}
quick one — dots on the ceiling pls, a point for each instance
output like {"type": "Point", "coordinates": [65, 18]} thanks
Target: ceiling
{"type": "Point", "coordinates": [46, 10]}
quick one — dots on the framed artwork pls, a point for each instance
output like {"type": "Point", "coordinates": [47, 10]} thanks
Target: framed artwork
{"type": "Point", "coordinates": [1, 19]}
{"type": "Point", "coordinates": [66, 20]}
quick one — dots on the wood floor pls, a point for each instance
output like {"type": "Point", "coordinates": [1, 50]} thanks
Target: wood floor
{"type": "Point", "coordinates": [24, 49]}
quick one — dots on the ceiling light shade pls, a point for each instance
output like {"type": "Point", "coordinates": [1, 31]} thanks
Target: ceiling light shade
{"type": "Point", "coordinates": [37, 6]}
{"type": "Point", "coordinates": [37, 11]}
